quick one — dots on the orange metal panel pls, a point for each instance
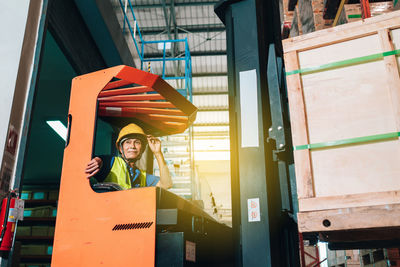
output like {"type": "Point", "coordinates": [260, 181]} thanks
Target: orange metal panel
{"type": "Point", "coordinates": [149, 104]}
{"type": "Point", "coordinates": [171, 127]}
{"type": "Point", "coordinates": [116, 84]}
{"type": "Point", "coordinates": [165, 118]}
{"type": "Point", "coordinates": [178, 125]}
{"type": "Point", "coordinates": [141, 77]}
{"type": "Point", "coordinates": [127, 112]}
{"type": "Point", "coordinates": [125, 91]}
{"type": "Point", "coordinates": [163, 88]}
{"type": "Point", "coordinates": [132, 97]}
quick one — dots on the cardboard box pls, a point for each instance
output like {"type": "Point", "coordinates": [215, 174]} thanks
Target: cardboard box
{"type": "Point", "coordinates": [40, 230]}
{"type": "Point", "coordinates": [26, 195]}
{"type": "Point", "coordinates": [39, 195]}
{"type": "Point", "coordinates": [53, 195]}
{"type": "Point", "coordinates": [42, 211]}
{"type": "Point", "coordinates": [53, 212]}
{"type": "Point", "coordinates": [49, 250]}
{"type": "Point", "coordinates": [51, 231]}
{"type": "Point", "coordinates": [28, 212]}
{"type": "Point", "coordinates": [34, 250]}
{"type": "Point", "coordinates": [24, 231]}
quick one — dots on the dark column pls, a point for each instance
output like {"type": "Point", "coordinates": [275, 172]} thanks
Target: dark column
{"type": "Point", "coordinates": [264, 231]}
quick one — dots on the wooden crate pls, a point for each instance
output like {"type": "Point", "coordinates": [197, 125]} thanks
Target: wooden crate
{"type": "Point", "coordinates": [344, 91]}
{"type": "Point", "coordinates": [353, 11]}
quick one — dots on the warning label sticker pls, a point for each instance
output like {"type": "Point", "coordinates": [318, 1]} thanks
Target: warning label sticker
{"type": "Point", "coordinates": [253, 207]}
{"type": "Point", "coordinates": [190, 251]}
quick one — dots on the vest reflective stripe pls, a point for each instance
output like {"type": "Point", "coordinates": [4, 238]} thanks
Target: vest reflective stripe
{"type": "Point", "coordinates": [119, 174]}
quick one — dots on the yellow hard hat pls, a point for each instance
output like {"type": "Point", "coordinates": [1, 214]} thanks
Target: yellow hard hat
{"type": "Point", "coordinates": [131, 129]}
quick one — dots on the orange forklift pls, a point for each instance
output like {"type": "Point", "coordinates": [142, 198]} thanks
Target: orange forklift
{"type": "Point", "coordinates": [100, 225]}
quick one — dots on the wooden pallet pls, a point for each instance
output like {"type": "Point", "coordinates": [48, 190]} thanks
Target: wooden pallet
{"type": "Point", "coordinates": [344, 98]}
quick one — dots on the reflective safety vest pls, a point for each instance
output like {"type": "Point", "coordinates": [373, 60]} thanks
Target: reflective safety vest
{"type": "Point", "coordinates": [119, 174]}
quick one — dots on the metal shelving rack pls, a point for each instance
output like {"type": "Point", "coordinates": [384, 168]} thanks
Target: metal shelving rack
{"type": "Point", "coordinates": [178, 149]}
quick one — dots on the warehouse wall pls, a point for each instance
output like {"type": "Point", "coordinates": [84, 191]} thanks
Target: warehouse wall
{"type": "Point", "coordinates": [13, 17]}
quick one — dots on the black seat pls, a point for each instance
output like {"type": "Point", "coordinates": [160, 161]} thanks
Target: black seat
{"type": "Point", "coordinates": [106, 187]}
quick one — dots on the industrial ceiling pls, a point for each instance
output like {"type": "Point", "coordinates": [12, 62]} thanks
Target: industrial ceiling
{"type": "Point", "coordinates": [196, 21]}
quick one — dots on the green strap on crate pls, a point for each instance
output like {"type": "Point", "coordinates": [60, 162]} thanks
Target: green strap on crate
{"type": "Point", "coordinates": [355, 16]}
{"type": "Point", "coordinates": [343, 63]}
{"type": "Point", "coordinates": [363, 139]}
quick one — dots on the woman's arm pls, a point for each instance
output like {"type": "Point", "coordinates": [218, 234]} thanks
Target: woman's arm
{"type": "Point", "coordinates": [165, 177]}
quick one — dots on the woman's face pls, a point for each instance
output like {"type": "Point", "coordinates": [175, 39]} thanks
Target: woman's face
{"type": "Point", "coordinates": [131, 148]}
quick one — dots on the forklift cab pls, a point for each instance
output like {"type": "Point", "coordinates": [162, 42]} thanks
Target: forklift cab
{"type": "Point", "coordinates": [102, 225]}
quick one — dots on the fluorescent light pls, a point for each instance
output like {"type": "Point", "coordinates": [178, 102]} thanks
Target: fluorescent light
{"type": "Point", "coordinates": [59, 128]}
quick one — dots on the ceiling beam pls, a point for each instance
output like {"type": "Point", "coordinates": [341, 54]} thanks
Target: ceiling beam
{"type": "Point", "coordinates": [208, 74]}
{"type": "Point", "coordinates": [211, 124]}
{"type": "Point", "coordinates": [173, 16]}
{"type": "Point", "coordinates": [213, 108]}
{"type": "Point", "coordinates": [191, 3]}
{"type": "Point", "coordinates": [168, 21]}
{"type": "Point", "coordinates": [204, 74]}
{"type": "Point", "coordinates": [192, 54]}
{"type": "Point", "coordinates": [184, 29]}
{"type": "Point", "coordinates": [208, 53]}
{"type": "Point", "coordinates": [222, 134]}
{"type": "Point", "coordinates": [175, 47]}
{"type": "Point", "coordinates": [210, 93]}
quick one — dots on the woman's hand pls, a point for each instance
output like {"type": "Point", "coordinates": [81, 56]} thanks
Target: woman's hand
{"type": "Point", "coordinates": [165, 177]}
{"type": "Point", "coordinates": [154, 144]}
{"type": "Point", "coordinates": [93, 167]}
